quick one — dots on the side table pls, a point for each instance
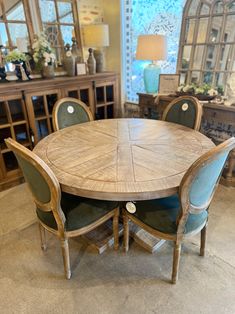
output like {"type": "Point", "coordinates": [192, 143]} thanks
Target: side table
{"type": "Point", "coordinates": [152, 105]}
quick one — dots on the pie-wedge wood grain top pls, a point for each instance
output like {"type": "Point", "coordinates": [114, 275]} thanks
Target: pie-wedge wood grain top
{"type": "Point", "coordinates": [122, 159]}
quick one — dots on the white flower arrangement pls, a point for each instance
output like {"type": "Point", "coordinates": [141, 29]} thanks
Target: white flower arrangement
{"type": "Point", "coordinates": [194, 89]}
{"type": "Point", "coordinates": [43, 54]}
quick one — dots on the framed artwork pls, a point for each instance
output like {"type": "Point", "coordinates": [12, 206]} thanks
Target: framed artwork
{"type": "Point", "coordinates": [81, 68]}
{"type": "Point", "coordinates": [168, 83]}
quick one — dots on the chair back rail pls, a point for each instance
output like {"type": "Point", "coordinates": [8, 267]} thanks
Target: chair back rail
{"type": "Point", "coordinates": [201, 180]}
{"type": "Point", "coordinates": [69, 111]}
{"type": "Point", "coordinates": [42, 182]}
{"type": "Point", "coordinates": [185, 110]}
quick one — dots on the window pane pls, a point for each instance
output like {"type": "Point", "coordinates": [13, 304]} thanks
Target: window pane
{"type": "Point", "coordinates": [67, 32]}
{"type": "Point", "coordinates": [17, 31]}
{"type": "Point", "coordinates": [224, 57]}
{"type": "Point", "coordinates": [193, 7]}
{"type": "Point", "coordinates": [65, 12]}
{"type": "Point", "coordinates": [202, 30]}
{"type": "Point", "coordinates": [211, 57]}
{"type": "Point", "coordinates": [198, 57]}
{"type": "Point", "coordinates": [229, 34]}
{"type": "Point", "coordinates": [186, 57]}
{"type": "Point", "coordinates": [219, 79]}
{"type": "Point", "coordinates": [183, 78]}
{"type": "Point", "coordinates": [3, 35]}
{"type": "Point", "coordinates": [47, 10]}
{"type": "Point", "coordinates": [216, 29]}
{"type": "Point", "coordinates": [231, 7]}
{"type": "Point", "coordinates": [195, 77]}
{"type": "Point", "coordinates": [52, 34]}
{"type": "Point", "coordinates": [218, 7]}
{"type": "Point", "coordinates": [205, 10]}
{"type": "Point", "coordinates": [190, 26]}
{"type": "Point", "coordinates": [207, 77]}
{"type": "Point", "coordinates": [14, 12]}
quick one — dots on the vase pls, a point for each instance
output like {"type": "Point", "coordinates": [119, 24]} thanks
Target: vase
{"type": "Point", "coordinates": [91, 63]}
{"type": "Point", "coordinates": [48, 71]}
{"type": "Point", "coordinates": [69, 65]}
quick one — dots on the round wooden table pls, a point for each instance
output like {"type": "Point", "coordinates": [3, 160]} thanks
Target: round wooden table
{"type": "Point", "coordinates": [122, 159]}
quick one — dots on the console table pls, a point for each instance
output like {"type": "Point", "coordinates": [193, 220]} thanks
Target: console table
{"type": "Point", "coordinates": [218, 123]}
{"type": "Point", "coordinates": [26, 111]}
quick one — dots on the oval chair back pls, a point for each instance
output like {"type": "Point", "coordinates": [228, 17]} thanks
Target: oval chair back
{"type": "Point", "coordinates": [185, 110]}
{"type": "Point", "coordinates": [200, 182]}
{"type": "Point", "coordinates": [70, 111]}
{"type": "Point", "coordinates": [42, 182]}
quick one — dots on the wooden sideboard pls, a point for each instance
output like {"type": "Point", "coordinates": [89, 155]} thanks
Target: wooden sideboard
{"type": "Point", "coordinates": [218, 123]}
{"type": "Point", "coordinates": [26, 111]}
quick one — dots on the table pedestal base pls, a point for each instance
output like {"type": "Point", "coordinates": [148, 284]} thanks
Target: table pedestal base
{"type": "Point", "coordinates": [102, 237]}
{"type": "Point", "coordinates": [145, 239]}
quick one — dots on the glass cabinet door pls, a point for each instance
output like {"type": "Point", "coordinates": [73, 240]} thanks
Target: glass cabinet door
{"type": "Point", "coordinates": [40, 106]}
{"type": "Point", "coordinates": [14, 124]}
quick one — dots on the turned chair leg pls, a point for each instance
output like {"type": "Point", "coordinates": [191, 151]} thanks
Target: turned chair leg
{"type": "Point", "coordinates": [176, 260]}
{"type": "Point", "coordinates": [42, 232]}
{"type": "Point", "coordinates": [116, 229]}
{"type": "Point", "coordinates": [203, 241]}
{"type": "Point", "coordinates": [125, 231]}
{"type": "Point", "coordinates": [66, 259]}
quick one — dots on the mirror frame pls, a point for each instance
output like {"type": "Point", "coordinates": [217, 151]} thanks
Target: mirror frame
{"type": "Point", "coordinates": [197, 16]}
{"type": "Point", "coordinates": [28, 22]}
{"type": "Point", "coordinates": [75, 23]}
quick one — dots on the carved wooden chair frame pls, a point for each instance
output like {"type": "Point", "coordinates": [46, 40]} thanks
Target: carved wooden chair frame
{"type": "Point", "coordinates": [60, 102]}
{"type": "Point", "coordinates": [186, 208]}
{"type": "Point", "coordinates": [54, 206]}
{"type": "Point", "coordinates": [197, 106]}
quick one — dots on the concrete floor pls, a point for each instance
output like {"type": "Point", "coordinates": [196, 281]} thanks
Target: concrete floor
{"type": "Point", "coordinates": [32, 281]}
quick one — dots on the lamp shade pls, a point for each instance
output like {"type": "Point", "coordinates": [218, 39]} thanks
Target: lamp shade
{"type": "Point", "coordinates": [151, 47]}
{"type": "Point", "coordinates": [96, 35]}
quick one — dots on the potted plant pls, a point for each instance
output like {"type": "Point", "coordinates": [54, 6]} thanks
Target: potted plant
{"type": "Point", "coordinates": [202, 92]}
{"type": "Point", "coordinates": [18, 59]}
{"type": "Point", "coordinates": [43, 56]}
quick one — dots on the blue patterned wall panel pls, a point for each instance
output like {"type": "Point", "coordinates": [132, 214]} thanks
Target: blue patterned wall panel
{"type": "Point", "coordinates": [150, 17]}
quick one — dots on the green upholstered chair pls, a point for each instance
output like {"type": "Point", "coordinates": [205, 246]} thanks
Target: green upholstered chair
{"type": "Point", "coordinates": [185, 110]}
{"type": "Point", "coordinates": [63, 214]}
{"type": "Point", "coordinates": [69, 111]}
{"type": "Point", "coordinates": [180, 216]}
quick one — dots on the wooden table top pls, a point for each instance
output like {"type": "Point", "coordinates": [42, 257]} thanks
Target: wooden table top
{"type": "Point", "coordinates": [122, 159]}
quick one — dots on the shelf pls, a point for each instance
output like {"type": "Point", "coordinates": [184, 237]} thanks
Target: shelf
{"type": "Point", "coordinates": [10, 161]}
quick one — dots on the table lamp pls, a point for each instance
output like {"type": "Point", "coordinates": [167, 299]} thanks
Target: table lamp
{"type": "Point", "coordinates": [96, 35]}
{"type": "Point", "coordinates": [154, 48]}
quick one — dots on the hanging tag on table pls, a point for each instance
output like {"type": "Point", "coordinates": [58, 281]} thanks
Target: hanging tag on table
{"type": "Point", "coordinates": [131, 208]}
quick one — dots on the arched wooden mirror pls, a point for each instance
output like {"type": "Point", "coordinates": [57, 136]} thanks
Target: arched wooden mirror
{"type": "Point", "coordinates": [59, 20]}
{"type": "Point", "coordinates": [207, 43]}
{"type": "Point", "coordinates": [15, 23]}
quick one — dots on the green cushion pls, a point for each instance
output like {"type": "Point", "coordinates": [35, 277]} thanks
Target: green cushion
{"type": "Point", "coordinates": [161, 214]}
{"type": "Point", "coordinates": [79, 212]}
{"type": "Point", "coordinates": [67, 117]}
{"type": "Point", "coordinates": [177, 115]}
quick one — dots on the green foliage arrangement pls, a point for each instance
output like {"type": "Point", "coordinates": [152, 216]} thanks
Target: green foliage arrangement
{"type": "Point", "coordinates": [15, 56]}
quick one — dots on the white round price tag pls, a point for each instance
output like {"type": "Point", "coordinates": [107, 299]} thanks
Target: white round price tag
{"type": "Point", "coordinates": [70, 109]}
{"type": "Point", "coordinates": [185, 107]}
{"type": "Point", "coordinates": [131, 208]}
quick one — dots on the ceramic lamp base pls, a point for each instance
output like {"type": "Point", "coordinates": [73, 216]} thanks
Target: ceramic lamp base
{"type": "Point", "coordinates": [151, 78]}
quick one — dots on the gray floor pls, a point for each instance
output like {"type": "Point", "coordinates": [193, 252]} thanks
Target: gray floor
{"type": "Point", "coordinates": [32, 281]}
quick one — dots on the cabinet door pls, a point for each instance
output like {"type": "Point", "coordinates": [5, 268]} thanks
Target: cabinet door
{"type": "Point", "coordinates": [105, 99]}
{"type": "Point", "coordinates": [83, 93]}
{"type": "Point", "coordinates": [39, 107]}
{"type": "Point", "coordinates": [14, 124]}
